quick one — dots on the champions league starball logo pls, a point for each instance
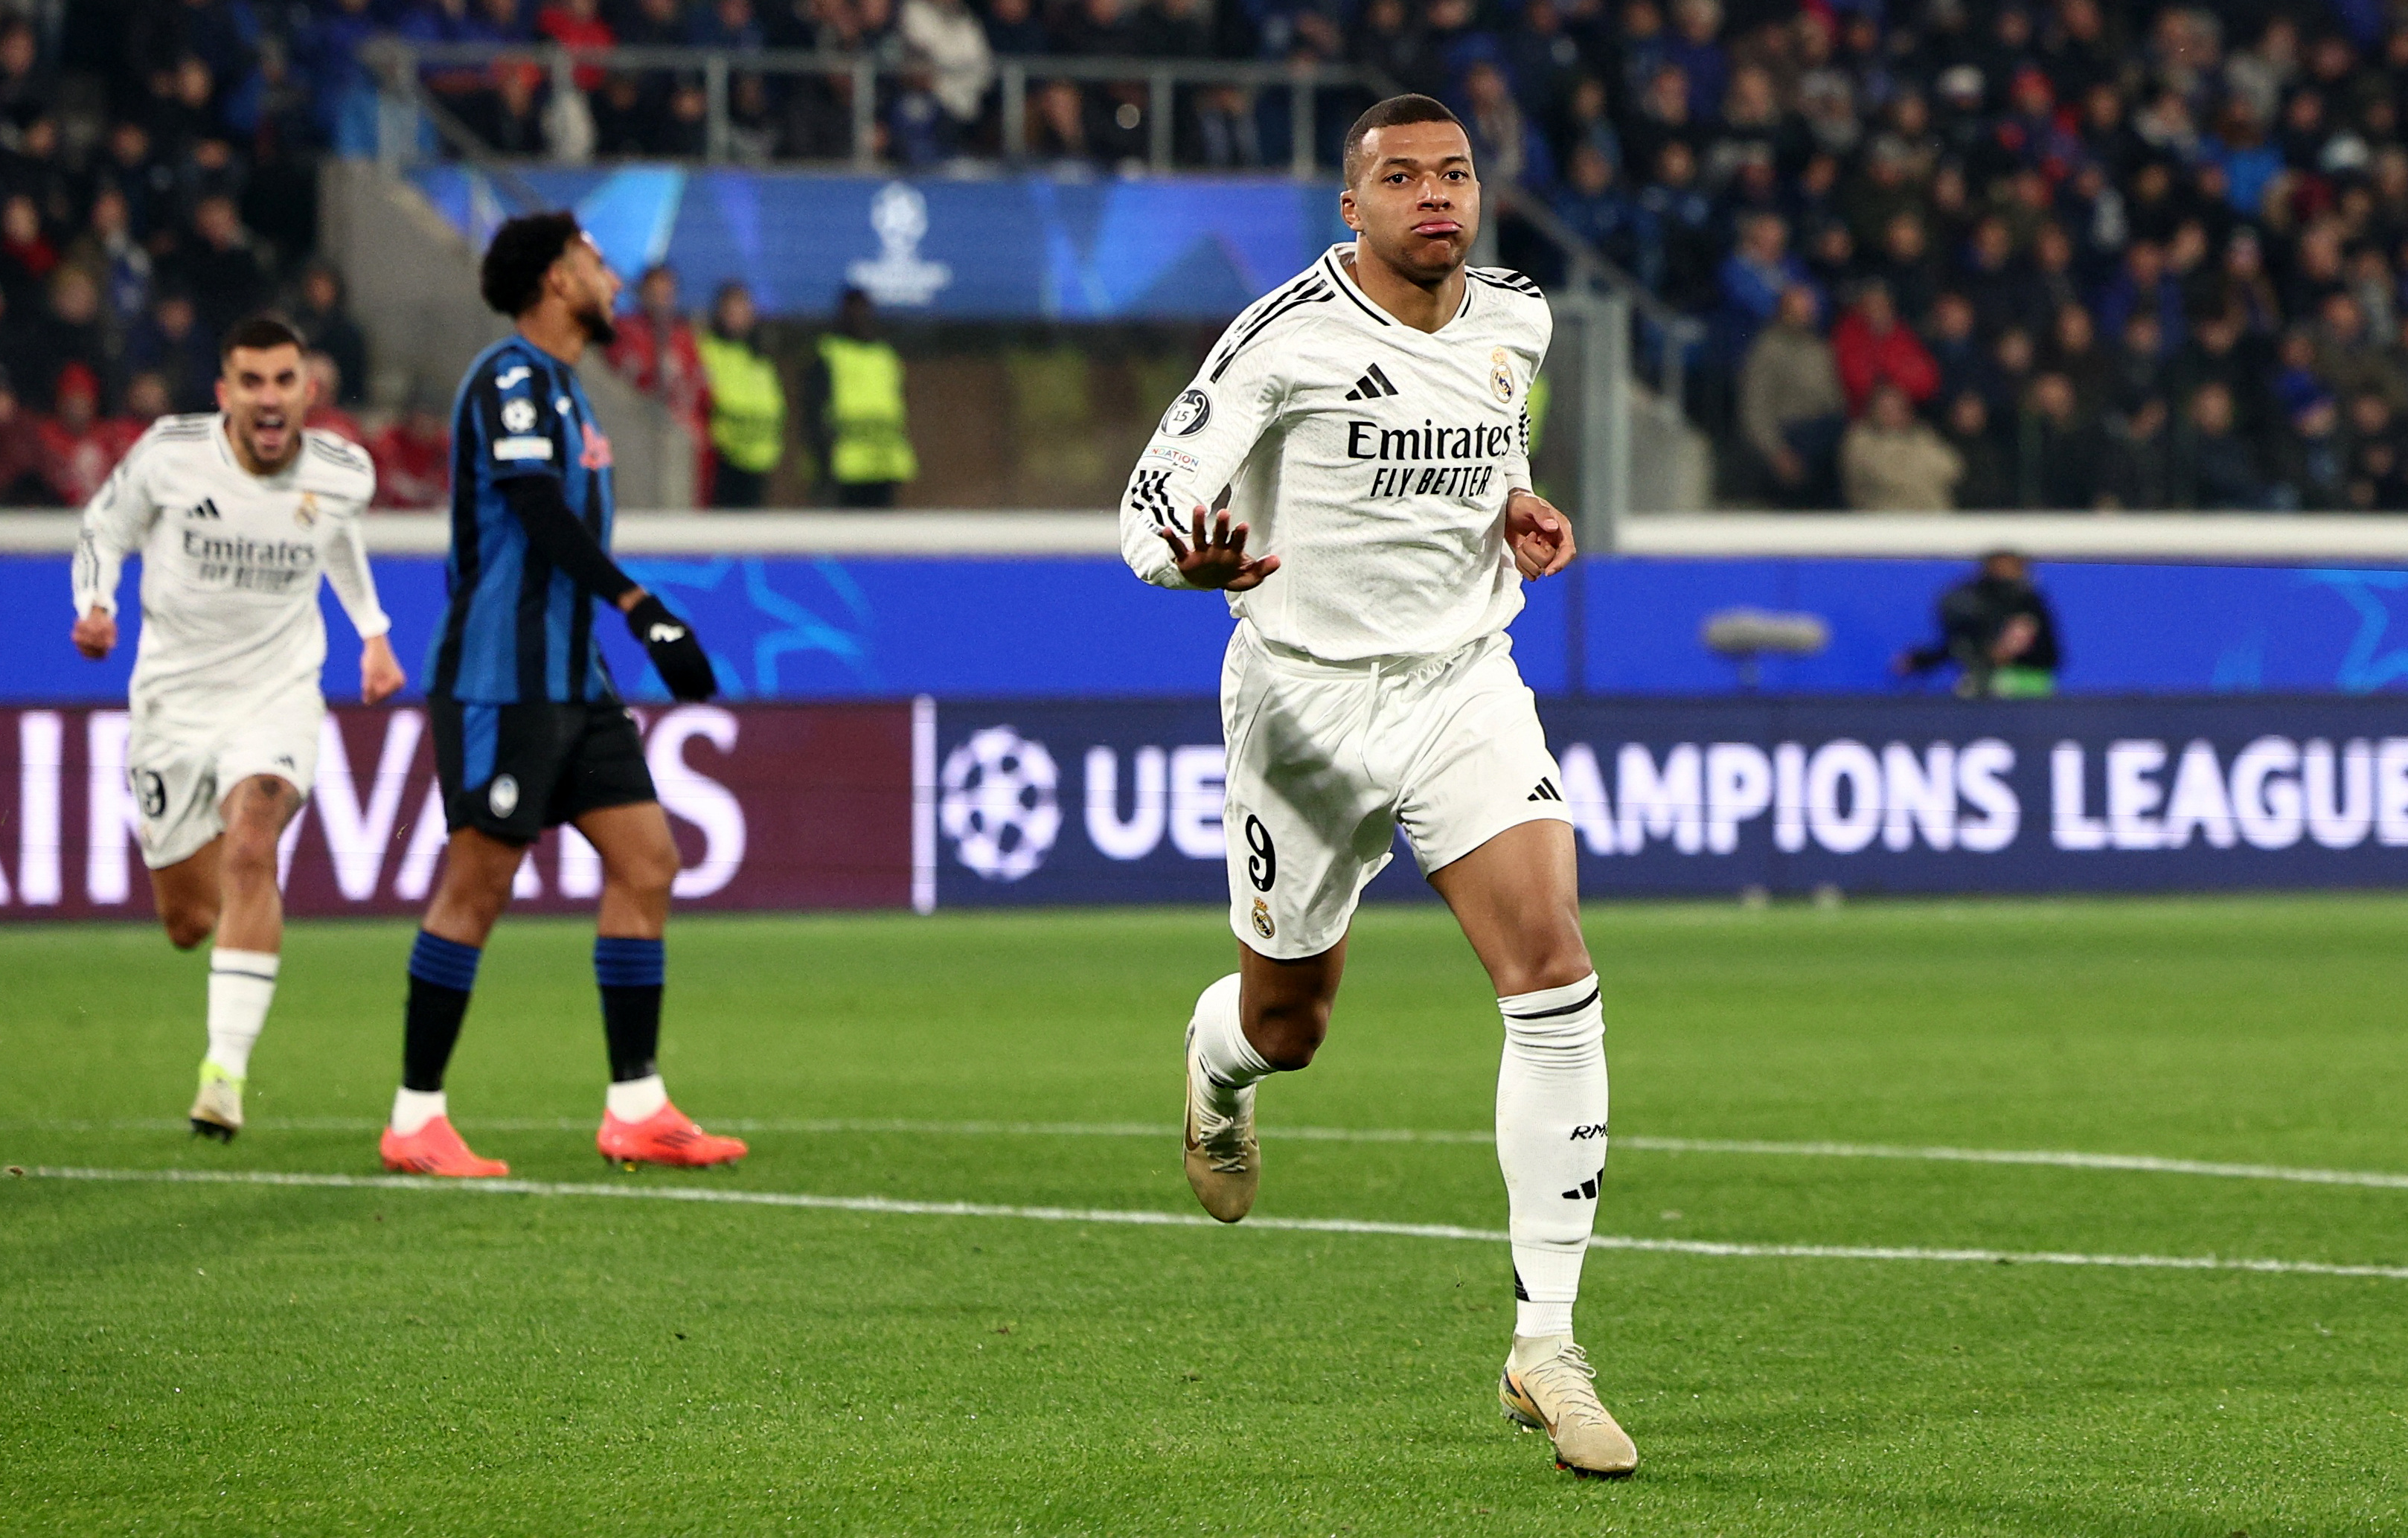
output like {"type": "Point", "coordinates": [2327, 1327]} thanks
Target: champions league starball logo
{"type": "Point", "coordinates": [998, 805]}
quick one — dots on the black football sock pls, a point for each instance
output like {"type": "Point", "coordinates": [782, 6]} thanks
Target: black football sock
{"type": "Point", "coordinates": [442, 974]}
{"type": "Point", "coordinates": [630, 973]}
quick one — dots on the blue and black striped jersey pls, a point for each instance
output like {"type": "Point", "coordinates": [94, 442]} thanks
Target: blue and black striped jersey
{"type": "Point", "coordinates": [518, 629]}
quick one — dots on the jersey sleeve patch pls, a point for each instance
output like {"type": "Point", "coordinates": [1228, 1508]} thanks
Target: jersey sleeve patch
{"type": "Point", "coordinates": [520, 422]}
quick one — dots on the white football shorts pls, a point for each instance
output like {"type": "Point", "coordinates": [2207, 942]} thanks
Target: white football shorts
{"type": "Point", "coordinates": [180, 763]}
{"type": "Point", "coordinates": [1326, 760]}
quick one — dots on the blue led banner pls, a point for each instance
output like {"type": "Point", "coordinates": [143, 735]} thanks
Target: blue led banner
{"type": "Point", "coordinates": [1009, 248]}
{"type": "Point", "coordinates": [797, 628]}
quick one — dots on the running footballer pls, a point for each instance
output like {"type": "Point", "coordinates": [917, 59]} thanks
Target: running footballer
{"type": "Point", "coordinates": [1369, 422]}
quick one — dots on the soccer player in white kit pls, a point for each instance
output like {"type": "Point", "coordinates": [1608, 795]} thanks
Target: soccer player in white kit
{"type": "Point", "coordinates": [1367, 420]}
{"type": "Point", "coordinates": [236, 515]}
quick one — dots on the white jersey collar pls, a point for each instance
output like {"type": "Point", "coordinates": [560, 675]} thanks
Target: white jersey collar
{"type": "Point", "coordinates": [1343, 274]}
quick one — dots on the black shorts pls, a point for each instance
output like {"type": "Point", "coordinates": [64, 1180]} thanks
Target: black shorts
{"type": "Point", "coordinates": [512, 770]}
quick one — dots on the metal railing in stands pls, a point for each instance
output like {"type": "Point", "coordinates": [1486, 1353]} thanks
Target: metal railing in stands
{"type": "Point", "coordinates": [399, 65]}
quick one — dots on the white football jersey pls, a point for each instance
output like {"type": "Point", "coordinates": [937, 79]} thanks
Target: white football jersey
{"type": "Point", "coordinates": [1373, 459]}
{"type": "Point", "coordinates": [230, 560]}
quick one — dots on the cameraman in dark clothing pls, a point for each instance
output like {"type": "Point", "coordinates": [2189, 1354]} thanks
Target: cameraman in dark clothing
{"type": "Point", "coordinates": [1997, 628]}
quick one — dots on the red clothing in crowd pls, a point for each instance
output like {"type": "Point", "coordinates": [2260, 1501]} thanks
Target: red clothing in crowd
{"type": "Point", "coordinates": [335, 420]}
{"type": "Point", "coordinates": [413, 463]}
{"type": "Point", "coordinates": [662, 361]}
{"type": "Point", "coordinates": [78, 459]}
{"type": "Point", "coordinates": [572, 30]}
{"type": "Point", "coordinates": [1866, 359]}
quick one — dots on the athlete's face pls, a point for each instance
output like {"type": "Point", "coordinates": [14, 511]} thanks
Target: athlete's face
{"type": "Point", "coordinates": [588, 285]}
{"type": "Point", "coordinates": [266, 393]}
{"type": "Point", "coordinates": [1416, 201]}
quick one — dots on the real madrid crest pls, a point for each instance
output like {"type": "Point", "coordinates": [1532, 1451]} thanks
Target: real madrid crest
{"type": "Point", "coordinates": [1501, 374]}
{"type": "Point", "coordinates": [305, 511]}
{"type": "Point", "coordinates": [1262, 919]}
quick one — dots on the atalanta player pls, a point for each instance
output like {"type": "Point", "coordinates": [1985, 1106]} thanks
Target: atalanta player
{"type": "Point", "coordinates": [529, 733]}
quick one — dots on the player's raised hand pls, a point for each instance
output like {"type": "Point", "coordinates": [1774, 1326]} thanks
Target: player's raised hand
{"type": "Point", "coordinates": [1218, 557]}
{"type": "Point", "coordinates": [380, 674]}
{"type": "Point", "coordinates": [1540, 537]}
{"type": "Point", "coordinates": [95, 634]}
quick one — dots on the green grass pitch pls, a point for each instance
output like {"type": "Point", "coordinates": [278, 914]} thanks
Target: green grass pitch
{"type": "Point", "coordinates": [231, 1358]}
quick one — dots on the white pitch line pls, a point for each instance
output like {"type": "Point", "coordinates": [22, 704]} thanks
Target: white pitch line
{"type": "Point", "coordinates": [894, 1206]}
{"type": "Point", "coordinates": [2063, 1159]}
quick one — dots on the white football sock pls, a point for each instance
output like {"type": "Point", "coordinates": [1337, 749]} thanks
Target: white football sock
{"type": "Point", "coordinates": [1551, 1103]}
{"type": "Point", "coordinates": [242, 984]}
{"type": "Point", "coordinates": [1229, 1061]}
{"type": "Point", "coordinates": [414, 1108]}
{"type": "Point", "coordinates": [637, 1099]}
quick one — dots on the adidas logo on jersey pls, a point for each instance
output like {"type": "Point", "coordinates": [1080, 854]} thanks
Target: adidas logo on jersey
{"type": "Point", "coordinates": [1373, 385]}
{"type": "Point", "coordinates": [207, 508]}
{"type": "Point", "coordinates": [1546, 792]}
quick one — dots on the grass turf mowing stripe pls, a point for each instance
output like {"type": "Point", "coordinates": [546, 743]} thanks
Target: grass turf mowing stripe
{"type": "Point", "coordinates": [2064, 1159]}
{"type": "Point", "coordinates": [897, 1206]}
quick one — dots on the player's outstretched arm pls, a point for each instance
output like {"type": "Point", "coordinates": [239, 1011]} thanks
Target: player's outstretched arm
{"type": "Point", "coordinates": [380, 674]}
{"type": "Point", "coordinates": [1539, 538]}
{"type": "Point", "coordinates": [1218, 557]}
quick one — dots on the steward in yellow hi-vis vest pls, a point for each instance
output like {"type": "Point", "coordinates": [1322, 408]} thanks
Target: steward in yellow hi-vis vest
{"type": "Point", "coordinates": [857, 416]}
{"type": "Point", "coordinates": [748, 403]}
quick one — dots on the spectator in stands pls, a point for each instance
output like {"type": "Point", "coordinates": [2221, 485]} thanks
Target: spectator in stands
{"type": "Point", "coordinates": [2073, 350]}
{"type": "Point", "coordinates": [578, 25]}
{"type": "Point", "coordinates": [1505, 143]}
{"type": "Point", "coordinates": [856, 411]}
{"type": "Point", "coordinates": [326, 392]}
{"type": "Point", "coordinates": [1791, 409]}
{"type": "Point", "coordinates": [1592, 206]}
{"type": "Point", "coordinates": [26, 254]}
{"type": "Point", "coordinates": [2215, 470]}
{"type": "Point", "coordinates": [949, 38]}
{"type": "Point", "coordinates": [1998, 631]}
{"type": "Point", "coordinates": [2142, 284]}
{"type": "Point", "coordinates": [1984, 487]}
{"type": "Point", "coordinates": [108, 250]}
{"type": "Point", "coordinates": [748, 401]}
{"type": "Point", "coordinates": [413, 458]}
{"type": "Point", "coordinates": [655, 351]}
{"type": "Point", "coordinates": [324, 320]}
{"type": "Point", "coordinates": [146, 399]}
{"type": "Point", "coordinates": [170, 343]}
{"type": "Point", "coordinates": [78, 447]}
{"type": "Point", "coordinates": [2377, 474]}
{"type": "Point", "coordinates": [219, 269]}
{"type": "Point", "coordinates": [1892, 462]}
{"type": "Point", "coordinates": [1752, 278]}
{"type": "Point", "coordinates": [326, 53]}
{"type": "Point", "coordinates": [1872, 347]}
{"type": "Point", "coordinates": [22, 479]}
{"type": "Point", "coordinates": [1681, 217]}
{"type": "Point", "coordinates": [2061, 458]}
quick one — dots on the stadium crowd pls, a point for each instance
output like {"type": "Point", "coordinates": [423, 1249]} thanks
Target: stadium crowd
{"type": "Point", "coordinates": [1945, 254]}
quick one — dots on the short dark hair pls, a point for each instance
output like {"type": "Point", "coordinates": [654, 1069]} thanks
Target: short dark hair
{"type": "Point", "coordinates": [1389, 114]}
{"type": "Point", "coordinates": [523, 251]}
{"type": "Point", "coordinates": [259, 333]}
